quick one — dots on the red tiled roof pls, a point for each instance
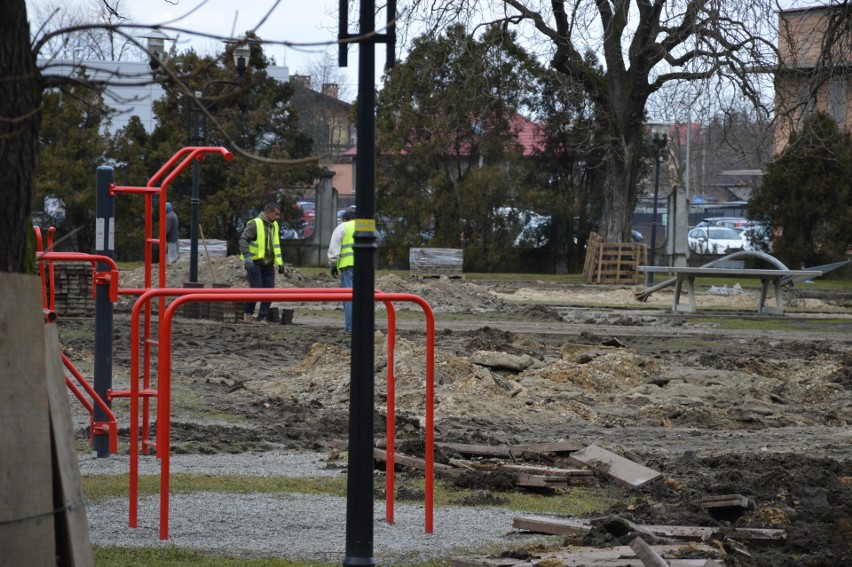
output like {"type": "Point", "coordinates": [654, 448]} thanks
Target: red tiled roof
{"type": "Point", "coordinates": [528, 134]}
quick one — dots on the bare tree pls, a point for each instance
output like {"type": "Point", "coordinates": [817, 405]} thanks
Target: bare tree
{"type": "Point", "coordinates": [85, 43]}
{"type": "Point", "coordinates": [21, 84]}
{"type": "Point", "coordinates": [643, 45]}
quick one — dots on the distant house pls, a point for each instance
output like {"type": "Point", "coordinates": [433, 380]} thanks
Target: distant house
{"type": "Point", "coordinates": [324, 117]}
{"type": "Point", "coordinates": [814, 73]}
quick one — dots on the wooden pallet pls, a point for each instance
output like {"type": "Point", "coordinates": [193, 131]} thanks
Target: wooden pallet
{"type": "Point", "coordinates": [613, 262]}
{"type": "Point", "coordinates": [435, 262]}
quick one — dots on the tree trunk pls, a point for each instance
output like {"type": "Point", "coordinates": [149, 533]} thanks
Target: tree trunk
{"type": "Point", "coordinates": [19, 118]}
{"type": "Point", "coordinates": [620, 190]}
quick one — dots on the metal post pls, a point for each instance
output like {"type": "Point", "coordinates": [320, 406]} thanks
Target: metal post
{"type": "Point", "coordinates": [104, 245]}
{"type": "Point", "coordinates": [654, 219]}
{"type": "Point", "coordinates": [194, 201]}
{"type": "Point", "coordinates": [359, 488]}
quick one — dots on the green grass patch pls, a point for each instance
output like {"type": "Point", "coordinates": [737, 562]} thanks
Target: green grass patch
{"type": "Point", "coordinates": [171, 556]}
{"type": "Point", "coordinates": [102, 487]}
{"type": "Point", "coordinates": [574, 501]}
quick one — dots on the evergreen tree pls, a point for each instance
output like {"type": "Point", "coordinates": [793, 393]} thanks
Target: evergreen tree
{"type": "Point", "coordinates": [255, 113]}
{"type": "Point", "coordinates": [444, 115]}
{"type": "Point", "coordinates": [806, 195]}
{"type": "Point", "coordinates": [71, 146]}
{"type": "Point", "coordinates": [568, 169]}
{"type": "Point", "coordinates": [128, 152]}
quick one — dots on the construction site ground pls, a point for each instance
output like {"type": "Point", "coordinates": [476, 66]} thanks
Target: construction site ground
{"type": "Point", "coordinates": [761, 410]}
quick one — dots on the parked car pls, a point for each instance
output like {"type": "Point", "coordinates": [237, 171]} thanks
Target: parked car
{"type": "Point", "coordinates": [309, 210]}
{"type": "Point", "coordinates": [737, 223]}
{"type": "Point", "coordinates": [714, 240]}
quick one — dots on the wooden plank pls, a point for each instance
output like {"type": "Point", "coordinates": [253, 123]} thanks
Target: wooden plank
{"type": "Point", "coordinates": [623, 471]}
{"type": "Point", "coordinates": [26, 492]}
{"type": "Point", "coordinates": [72, 526]}
{"type": "Point", "coordinates": [506, 451]}
{"type": "Point", "coordinates": [553, 526]}
{"type": "Point", "coordinates": [441, 470]}
{"type": "Point", "coordinates": [563, 474]}
{"type": "Point", "coordinates": [553, 447]}
{"type": "Point", "coordinates": [569, 526]}
{"type": "Point", "coordinates": [648, 556]}
{"type": "Point", "coordinates": [477, 450]}
{"type": "Point", "coordinates": [726, 501]}
{"type": "Point", "coordinates": [695, 533]}
{"type": "Point", "coordinates": [543, 481]}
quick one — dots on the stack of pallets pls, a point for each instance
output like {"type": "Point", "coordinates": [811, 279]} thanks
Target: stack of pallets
{"type": "Point", "coordinates": [613, 262]}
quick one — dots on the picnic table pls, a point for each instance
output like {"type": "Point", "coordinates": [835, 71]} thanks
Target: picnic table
{"type": "Point", "coordinates": [768, 277]}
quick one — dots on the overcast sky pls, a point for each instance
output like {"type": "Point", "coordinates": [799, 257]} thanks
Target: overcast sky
{"type": "Point", "coordinates": [309, 26]}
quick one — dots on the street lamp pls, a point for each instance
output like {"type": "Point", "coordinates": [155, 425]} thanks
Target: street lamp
{"type": "Point", "coordinates": [659, 139]}
{"type": "Point", "coordinates": [156, 44]}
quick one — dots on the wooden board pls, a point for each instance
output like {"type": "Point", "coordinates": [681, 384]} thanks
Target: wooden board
{"type": "Point", "coordinates": [573, 526]}
{"type": "Point", "coordinates": [506, 451]}
{"type": "Point", "coordinates": [26, 491]}
{"type": "Point", "coordinates": [623, 471]}
{"type": "Point", "coordinates": [550, 525]}
{"type": "Point", "coordinates": [726, 501]}
{"type": "Point", "coordinates": [441, 470]}
{"type": "Point", "coordinates": [72, 526]}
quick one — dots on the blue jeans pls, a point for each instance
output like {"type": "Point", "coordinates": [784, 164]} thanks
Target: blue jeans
{"type": "Point", "coordinates": [346, 275]}
{"type": "Point", "coordinates": [261, 276]}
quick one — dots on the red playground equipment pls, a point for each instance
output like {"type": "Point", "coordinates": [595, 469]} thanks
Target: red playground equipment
{"type": "Point", "coordinates": [144, 389]}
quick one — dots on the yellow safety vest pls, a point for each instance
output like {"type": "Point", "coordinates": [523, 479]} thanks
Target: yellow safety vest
{"type": "Point", "coordinates": [257, 247]}
{"type": "Point", "coordinates": [347, 254]}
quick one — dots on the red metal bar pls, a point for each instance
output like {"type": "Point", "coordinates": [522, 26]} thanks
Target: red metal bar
{"type": "Point", "coordinates": [164, 366]}
{"type": "Point", "coordinates": [52, 279]}
{"type": "Point", "coordinates": [390, 418]}
{"type": "Point", "coordinates": [116, 189]}
{"type": "Point", "coordinates": [110, 424]}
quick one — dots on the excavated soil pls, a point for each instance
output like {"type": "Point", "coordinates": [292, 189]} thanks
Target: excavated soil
{"type": "Point", "coordinates": [762, 413]}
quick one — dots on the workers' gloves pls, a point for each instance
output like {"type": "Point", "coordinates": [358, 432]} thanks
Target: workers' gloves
{"type": "Point", "coordinates": [281, 269]}
{"type": "Point", "coordinates": [249, 264]}
{"type": "Point", "coordinates": [334, 271]}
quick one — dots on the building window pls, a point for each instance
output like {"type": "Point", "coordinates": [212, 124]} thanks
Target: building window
{"type": "Point", "coordinates": [837, 100]}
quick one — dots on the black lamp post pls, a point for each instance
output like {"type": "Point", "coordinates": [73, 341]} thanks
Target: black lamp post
{"type": "Point", "coordinates": [197, 135]}
{"type": "Point", "coordinates": [659, 139]}
{"type": "Point", "coordinates": [196, 132]}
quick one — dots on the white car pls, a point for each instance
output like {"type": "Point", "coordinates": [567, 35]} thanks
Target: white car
{"type": "Point", "coordinates": [714, 240]}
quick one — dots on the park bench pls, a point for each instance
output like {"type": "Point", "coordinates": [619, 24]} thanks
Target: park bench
{"type": "Point", "coordinates": [773, 278]}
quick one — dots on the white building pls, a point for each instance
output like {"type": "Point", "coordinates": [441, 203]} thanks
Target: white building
{"type": "Point", "coordinates": [131, 91]}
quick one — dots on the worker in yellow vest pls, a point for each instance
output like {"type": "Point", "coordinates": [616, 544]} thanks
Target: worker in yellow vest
{"type": "Point", "coordinates": [341, 259]}
{"type": "Point", "coordinates": [260, 250]}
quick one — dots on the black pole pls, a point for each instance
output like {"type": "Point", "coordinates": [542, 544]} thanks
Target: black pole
{"type": "Point", "coordinates": [359, 488]}
{"type": "Point", "coordinates": [104, 245]}
{"type": "Point", "coordinates": [194, 201]}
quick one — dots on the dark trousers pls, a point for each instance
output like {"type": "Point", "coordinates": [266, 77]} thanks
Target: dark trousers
{"type": "Point", "coordinates": [261, 276]}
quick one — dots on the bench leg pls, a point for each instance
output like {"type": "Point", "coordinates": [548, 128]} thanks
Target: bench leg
{"type": "Point", "coordinates": [779, 300]}
{"type": "Point", "coordinates": [690, 291]}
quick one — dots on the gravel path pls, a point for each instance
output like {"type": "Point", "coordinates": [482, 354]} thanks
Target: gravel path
{"type": "Point", "coordinates": [293, 526]}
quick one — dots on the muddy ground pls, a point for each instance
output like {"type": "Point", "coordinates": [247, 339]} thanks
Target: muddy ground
{"type": "Point", "coordinates": [762, 413]}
